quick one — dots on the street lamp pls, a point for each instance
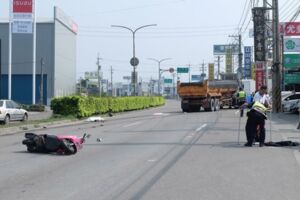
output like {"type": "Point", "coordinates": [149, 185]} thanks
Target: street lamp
{"type": "Point", "coordinates": [159, 74]}
{"type": "Point", "coordinates": [134, 61]}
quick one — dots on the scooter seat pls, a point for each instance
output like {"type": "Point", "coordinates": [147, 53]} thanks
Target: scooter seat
{"type": "Point", "coordinates": [52, 143]}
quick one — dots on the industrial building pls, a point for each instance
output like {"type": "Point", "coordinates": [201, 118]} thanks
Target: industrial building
{"type": "Point", "coordinates": [55, 60]}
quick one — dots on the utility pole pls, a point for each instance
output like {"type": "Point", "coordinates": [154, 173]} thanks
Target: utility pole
{"type": "Point", "coordinates": [276, 76]}
{"type": "Point", "coordinates": [189, 72]}
{"type": "Point", "coordinates": [111, 80]}
{"type": "Point", "coordinates": [42, 82]}
{"type": "Point", "coordinates": [240, 70]}
{"type": "Point", "coordinates": [218, 68]}
{"type": "Point", "coordinates": [174, 85]}
{"type": "Point", "coordinates": [240, 55]}
{"type": "Point", "coordinates": [98, 73]}
{"type": "Point", "coordinates": [0, 69]}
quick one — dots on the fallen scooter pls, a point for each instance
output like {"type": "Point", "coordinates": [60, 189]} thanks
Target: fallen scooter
{"type": "Point", "coordinates": [44, 143]}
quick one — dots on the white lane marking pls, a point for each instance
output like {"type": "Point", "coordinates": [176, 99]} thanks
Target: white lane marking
{"type": "Point", "coordinates": [132, 124]}
{"type": "Point", "coordinates": [237, 112]}
{"type": "Point", "coordinates": [297, 156]}
{"type": "Point", "coordinates": [151, 160]}
{"type": "Point", "coordinates": [199, 129]}
{"type": "Point", "coordinates": [160, 114]}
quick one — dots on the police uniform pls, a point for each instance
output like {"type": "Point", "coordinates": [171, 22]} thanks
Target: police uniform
{"type": "Point", "coordinates": [241, 100]}
{"type": "Point", "coordinates": [256, 116]}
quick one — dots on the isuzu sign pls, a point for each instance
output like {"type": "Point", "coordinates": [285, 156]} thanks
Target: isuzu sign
{"type": "Point", "coordinates": [22, 6]}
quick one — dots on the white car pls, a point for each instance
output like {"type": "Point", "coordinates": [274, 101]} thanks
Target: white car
{"type": "Point", "coordinates": [11, 111]}
{"type": "Point", "coordinates": [290, 102]}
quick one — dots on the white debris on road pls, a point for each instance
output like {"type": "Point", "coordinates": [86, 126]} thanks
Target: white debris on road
{"type": "Point", "coordinates": [95, 119]}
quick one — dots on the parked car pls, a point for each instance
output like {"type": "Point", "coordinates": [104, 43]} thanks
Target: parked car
{"type": "Point", "coordinates": [290, 102]}
{"type": "Point", "coordinates": [11, 111]}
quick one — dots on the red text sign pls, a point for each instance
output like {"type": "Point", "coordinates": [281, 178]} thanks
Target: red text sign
{"type": "Point", "coordinates": [22, 6]}
{"type": "Point", "coordinates": [292, 29]}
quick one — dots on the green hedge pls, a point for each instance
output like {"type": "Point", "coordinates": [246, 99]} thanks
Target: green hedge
{"type": "Point", "coordinates": [86, 106]}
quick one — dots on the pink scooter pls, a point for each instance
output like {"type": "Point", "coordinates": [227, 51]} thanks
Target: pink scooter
{"type": "Point", "coordinates": [45, 143]}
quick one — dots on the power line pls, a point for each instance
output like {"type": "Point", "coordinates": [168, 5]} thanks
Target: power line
{"type": "Point", "coordinates": [241, 19]}
{"type": "Point", "coordinates": [290, 12]}
{"type": "Point", "coordinates": [287, 12]}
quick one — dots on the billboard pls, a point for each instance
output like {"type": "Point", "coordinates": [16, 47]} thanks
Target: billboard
{"type": "Point", "coordinates": [291, 61]}
{"type": "Point", "coordinates": [259, 74]}
{"type": "Point", "coordinates": [291, 28]}
{"type": "Point", "coordinates": [259, 33]}
{"type": "Point", "coordinates": [221, 49]}
{"type": "Point", "coordinates": [247, 62]}
{"type": "Point", "coordinates": [211, 71]}
{"type": "Point", "coordinates": [228, 61]}
{"type": "Point", "coordinates": [22, 6]}
{"type": "Point", "coordinates": [22, 14]}
{"type": "Point", "coordinates": [292, 45]}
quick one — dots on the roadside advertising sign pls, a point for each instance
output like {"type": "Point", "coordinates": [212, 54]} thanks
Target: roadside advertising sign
{"type": "Point", "coordinates": [221, 49]}
{"type": "Point", "coordinates": [22, 6]}
{"type": "Point", "coordinates": [247, 62]}
{"type": "Point", "coordinates": [292, 45]}
{"type": "Point", "coordinates": [22, 16]}
{"type": "Point", "coordinates": [22, 27]}
{"type": "Point", "coordinates": [228, 62]}
{"type": "Point", "coordinates": [259, 74]}
{"type": "Point", "coordinates": [291, 61]}
{"type": "Point", "coordinates": [211, 71]}
{"type": "Point", "coordinates": [291, 28]}
{"type": "Point", "coordinates": [259, 33]}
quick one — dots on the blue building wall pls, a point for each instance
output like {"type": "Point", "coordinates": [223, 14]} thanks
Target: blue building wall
{"type": "Point", "coordinates": [22, 88]}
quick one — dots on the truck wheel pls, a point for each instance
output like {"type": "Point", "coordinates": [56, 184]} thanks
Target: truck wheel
{"type": "Point", "coordinates": [217, 105]}
{"type": "Point", "coordinates": [212, 105]}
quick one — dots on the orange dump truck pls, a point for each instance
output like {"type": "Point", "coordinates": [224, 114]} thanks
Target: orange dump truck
{"type": "Point", "coordinates": [210, 95]}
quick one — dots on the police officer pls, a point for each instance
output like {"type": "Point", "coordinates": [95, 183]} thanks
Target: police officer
{"type": "Point", "coordinates": [241, 97]}
{"type": "Point", "coordinates": [256, 117]}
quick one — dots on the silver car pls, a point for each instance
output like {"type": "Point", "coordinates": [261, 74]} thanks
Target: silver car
{"type": "Point", "coordinates": [11, 111]}
{"type": "Point", "coordinates": [290, 102]}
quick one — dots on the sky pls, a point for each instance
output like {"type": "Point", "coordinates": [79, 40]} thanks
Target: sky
{"type": "Point", "coordinates": [185, 31]}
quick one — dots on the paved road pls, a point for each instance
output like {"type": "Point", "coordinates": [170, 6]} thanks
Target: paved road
{"type": "Point", "coordinates": [158, 153]}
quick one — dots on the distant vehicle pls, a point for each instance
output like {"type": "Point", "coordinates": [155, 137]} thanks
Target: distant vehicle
{"type": "Point", "coordinates": [210, 95]}
{"type": "Point", "coordinates": [11, 111]}
{"type": "Point", "coordinates": [290, 102]}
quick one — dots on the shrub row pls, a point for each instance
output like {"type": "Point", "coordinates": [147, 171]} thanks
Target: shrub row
{"type": "Point", "coordinates": [86, 106]}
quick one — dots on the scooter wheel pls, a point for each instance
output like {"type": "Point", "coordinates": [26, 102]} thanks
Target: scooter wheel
{"type": "Point", "coordinates": [68, 147]}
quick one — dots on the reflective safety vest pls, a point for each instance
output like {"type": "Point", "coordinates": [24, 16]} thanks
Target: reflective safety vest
{"type": "Point", "coordinates": [242, 95]}
{"type": "Point", "coordinates": [259, 107]}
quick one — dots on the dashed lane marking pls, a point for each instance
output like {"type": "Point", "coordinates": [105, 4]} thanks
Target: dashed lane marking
{"type": "Point", "coordinates": [199, 129]}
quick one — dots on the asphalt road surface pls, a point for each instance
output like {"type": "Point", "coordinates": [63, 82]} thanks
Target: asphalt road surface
{"type": "Point", "coordinates": [153, 154]}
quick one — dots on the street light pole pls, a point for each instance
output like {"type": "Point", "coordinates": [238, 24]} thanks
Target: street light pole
{"type": "Point", "coordinates": [159, 74]}
{"type": "Point", "coordinates": [134, 62]}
